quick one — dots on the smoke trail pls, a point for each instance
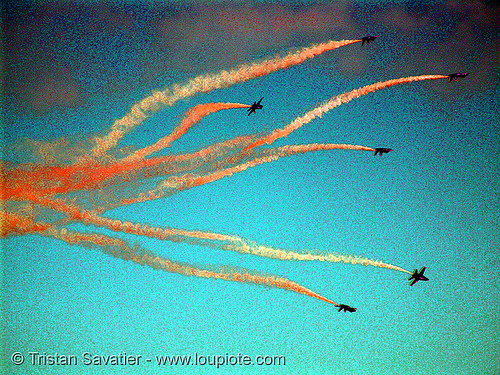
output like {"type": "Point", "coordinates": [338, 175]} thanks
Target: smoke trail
{"type": "Point", "coordinates": [222, 241]}
{"type": "Point", "coordinates": [203, 84]}
{"type": "Point", "coordinates": [85, 239]}
{"type": "Point", "coordinates": [251, 247]}
{"type": "Point", "coordinates": [179, 183]}
{"type": "Point", "coordinates": [119, 249]}
{"type": "Point", "coordinates": [226, 242]}
{"type": "Point", "coordinates": [64, 179]}
{"type": "Point", "coordinates": [193, 116]}
{"type": "Point", "coordinates": [11, 224]}
{"type": "Point", "coordinates": [335, 102]}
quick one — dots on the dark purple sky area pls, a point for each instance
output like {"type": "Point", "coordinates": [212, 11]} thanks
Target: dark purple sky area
{"type": "Point", "coordinates": [58, 55]}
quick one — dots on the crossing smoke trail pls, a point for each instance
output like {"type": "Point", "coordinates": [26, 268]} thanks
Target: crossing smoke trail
{"type": "Point", "coordinates": [179, 183]}
{"type": "Point", "coordinates": [185, 182]}
{"type": "Point", "coordinates": [11, 224]}
{"type": "Point", "coordinates": [203, 84]}
{"type": "Point", "coordinates": [193, 116]}
{"type": "Point", "coordinates": [221, 241]}
{"type": "Point", "coordinates": [32, 190]}
{"type": "Point", "coordinates": [295, 124]}
{"type": "Point", "coordinates": [119, 249]}
{"type": "Point", "coordinates": [64, 179]}
{"type": "Point", "coordinates": [335, 102]}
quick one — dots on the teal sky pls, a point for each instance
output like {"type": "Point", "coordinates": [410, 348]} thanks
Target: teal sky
{"type": "Point", "coordinates": [433, 201]}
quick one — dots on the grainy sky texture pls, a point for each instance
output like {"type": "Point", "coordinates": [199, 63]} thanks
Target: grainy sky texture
{"type": "Point", "coordinates": [71, 69]}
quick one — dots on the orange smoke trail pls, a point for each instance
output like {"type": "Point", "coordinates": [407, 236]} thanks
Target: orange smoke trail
{"type": "Point", "coordinates": [11, 224]}
{"type": "Point", "coordinates": [188, 181]}
{"type": "Point", "coordinates": [193, 116]}
{"type": "Point", "coordinates": [63, 179]}
{"type": "Point", "coordinates": [119, 249]}
{"type": "Point", "coordinates": [335, 102]}
{"type": "Point", "coordinates": [203, 84]}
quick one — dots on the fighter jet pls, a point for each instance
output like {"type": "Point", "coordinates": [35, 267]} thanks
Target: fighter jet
{"type": "Point", "coordinates": [346, 308]}
{"type": "Point", "coordinates": [255, 105]}
{"type": "Point", "coordinates": [417, 276]}
{"type": "Point", "coordinates": [456, 76]}
{"type": "Point", "coordinates": [382, 151]}
{"type": "Point", "coordinates": [368, 39]}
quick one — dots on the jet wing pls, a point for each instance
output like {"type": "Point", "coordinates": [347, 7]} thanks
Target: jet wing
{"type": "Point", "coordinates": [413, 282]}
